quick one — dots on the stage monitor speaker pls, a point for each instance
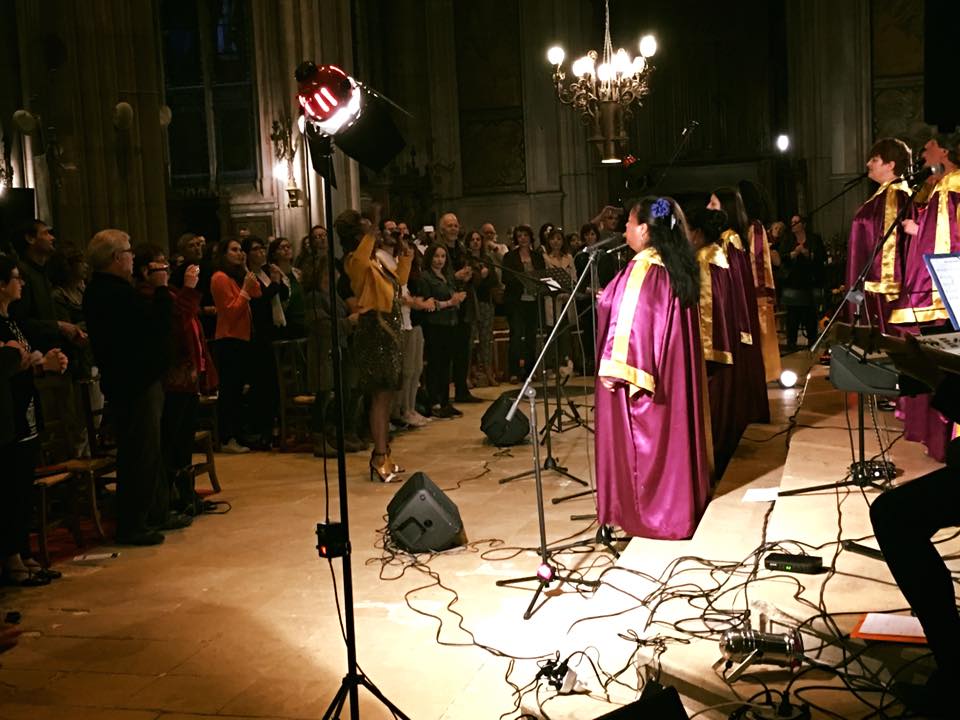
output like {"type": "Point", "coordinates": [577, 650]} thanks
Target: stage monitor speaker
{"type": "Point", "coordinates": [421, 518]}
{"type": "Point", "coordinates": [500, 431]}
{"type": "Point", "coordinates": [655, 703]}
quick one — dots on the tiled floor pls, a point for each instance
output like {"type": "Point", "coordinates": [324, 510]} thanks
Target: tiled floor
{"type": "Point", "coordinates": [236, 616]}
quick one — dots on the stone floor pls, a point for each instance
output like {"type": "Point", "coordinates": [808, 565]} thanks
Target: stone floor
{"type": "Point", "coordinates": [236, 617]}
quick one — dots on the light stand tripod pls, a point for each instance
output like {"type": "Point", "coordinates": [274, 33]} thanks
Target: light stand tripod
{"type": "Point", "coordinates": [550, 463]}
{"type": "Point", "coordinates": [863, 472]}
{"type": "Point", "coordinates": [334, 538]}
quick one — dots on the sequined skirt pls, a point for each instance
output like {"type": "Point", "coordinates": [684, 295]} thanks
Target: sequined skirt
{"type": "Point", "coordinates": [377, 356]}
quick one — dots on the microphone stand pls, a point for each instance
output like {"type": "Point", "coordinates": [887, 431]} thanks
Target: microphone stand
{"type": "Point", "coordinates": [684, 139]}
{"type": "Point", "coordinates": [546, 573]}
{"type": "Point", "coordinates": [550, 463]}
{"type": "Point", "coordinates": [863, 472]}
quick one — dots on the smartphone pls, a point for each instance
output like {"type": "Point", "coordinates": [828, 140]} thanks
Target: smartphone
{"type": "Point", "coordinates": [428, 228]}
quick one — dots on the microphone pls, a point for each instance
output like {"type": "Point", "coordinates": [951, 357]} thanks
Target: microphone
{"type": "Point", "coordinates": [919, 176]}
{"type": "Point", "coordinates": [690, 128]}
{"type": "Point", "coordinates": [598, 246]}
{"type": "Point", "coordinates": [781, 649]}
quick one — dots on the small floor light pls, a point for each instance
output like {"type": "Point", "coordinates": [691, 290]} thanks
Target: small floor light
{"type": "Point", "coordinates": [788, 378]}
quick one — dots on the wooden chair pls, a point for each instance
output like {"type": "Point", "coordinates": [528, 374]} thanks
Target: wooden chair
{"type": "Point", "coordinates": [203, 441]}
{"type": "Point", "coordinates": [296, 399]}
{"type": "Point", "coordinates": [47, 486]}
{"type": "Point", "coordinates": [59, 408]}
{"type": "Point", "coordinates": [207, 418]}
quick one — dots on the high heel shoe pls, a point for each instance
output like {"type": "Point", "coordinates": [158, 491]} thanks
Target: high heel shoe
{"type": "Point", "coordinates": [384, 471]}
{"type": "Point", "coordinates": [396, 468]}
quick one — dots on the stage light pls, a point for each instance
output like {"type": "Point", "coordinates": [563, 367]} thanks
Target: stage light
{"type": "Point", "coordinates": [788, 379]}
{"type": "Point", "coordinates": [329, 97]}
{"type": "Point", "coordinates": [783, 143]}
{"type": "Point", "coordinates": [555, 55]}
{"type": "Point", "coordinates": [648, 46]}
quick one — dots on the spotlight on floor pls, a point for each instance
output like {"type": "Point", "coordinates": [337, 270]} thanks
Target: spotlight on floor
{"type": "Point", "coordinates": [788, 378]}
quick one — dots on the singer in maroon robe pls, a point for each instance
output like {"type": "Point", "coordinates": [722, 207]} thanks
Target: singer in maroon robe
{"type": "Point", "coordinates": [653, 470]}
{"type": "Point", "coordinates": [888, 160]}
{"type": "Point", "coordinates": [751, 377]}
{"type": "Point", "coordinates": [920, 304]}
{"type": "Point", "coordinates": [719, 332]}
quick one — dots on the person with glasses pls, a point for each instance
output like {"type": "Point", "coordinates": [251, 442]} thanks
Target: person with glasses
{"type": "Point", "coordinates": [129, 334]}
{"type": "Point", "coordinates": [20, 425]}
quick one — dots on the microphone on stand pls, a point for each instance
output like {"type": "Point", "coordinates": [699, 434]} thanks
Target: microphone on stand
{"type": "Point", "coordinates": [616, 249]}
{"type": "Point", "coordinates": [690, 128]}
{"type": "Point", "coordinates": [919, 176]}
{"type": "Point", "coordinates": [603, 244]}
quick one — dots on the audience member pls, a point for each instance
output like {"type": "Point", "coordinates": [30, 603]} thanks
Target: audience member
{"type": "Point", "coordinates": [802, 259]}
{"type": "Point", "coordinates": [20, 425]}
{"type": "Point", "coordinates": [233, 286]}
{"type": "Point", "coordinates": [439, 329]}
{"type": "Point", "coordinates": [521, 300]}
{"type": "Point", "coordinates": [313, 246]}
{"type": "Point", "coordinates": [130, 335]}
{"type": "Point", "coordinates": [280, 255]}
{"type": "Point", "coordinates": [557, 256]}
{"type": "Point", "coordinates": [462, 277]}
{"type": "Point", "coordinates": [486, 283]}
{"type": "Point", "coordinates": [376, 279]}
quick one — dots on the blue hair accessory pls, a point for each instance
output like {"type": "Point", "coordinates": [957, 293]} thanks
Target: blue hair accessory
{"type": "Point", "coordinates": [662, 208]}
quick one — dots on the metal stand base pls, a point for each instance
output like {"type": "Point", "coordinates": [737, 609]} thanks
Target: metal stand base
{"type": "Point", "coordinates": [350, 683]}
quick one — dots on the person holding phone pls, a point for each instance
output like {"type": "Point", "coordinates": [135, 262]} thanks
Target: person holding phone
{"type": "Point", "coordinates": [233, 286]}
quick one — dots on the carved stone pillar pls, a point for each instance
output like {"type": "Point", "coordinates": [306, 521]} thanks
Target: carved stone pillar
{"type": "Point", "coordinates": [830, 103]}
{"type": "Point", "coordinates": [79, 59]}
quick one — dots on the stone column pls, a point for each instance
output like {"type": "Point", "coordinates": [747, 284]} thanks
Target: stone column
{"type": "Point", "coordinates": [79, 59]}
{"type": "Point", "coordinates": [830, 103]}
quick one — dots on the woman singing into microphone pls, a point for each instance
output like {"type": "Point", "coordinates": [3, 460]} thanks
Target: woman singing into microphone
{"type": "Point", "coordinates": [653, 473]}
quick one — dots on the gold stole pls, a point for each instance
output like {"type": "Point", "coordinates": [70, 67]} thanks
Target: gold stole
{"type": "Point", "coordinates": [708, 255]}
{"type": "Point", "coordinates": [730, 238]}
{"type": "Point", "coordinates": [888, 284]}
{"type": "Point", "coordinates": [616, 366]}
{"type": "Point", "coordinates": [767, 280]}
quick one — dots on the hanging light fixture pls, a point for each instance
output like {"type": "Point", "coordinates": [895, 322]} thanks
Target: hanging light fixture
{"type": "Point", "coordinates": [605, 94]}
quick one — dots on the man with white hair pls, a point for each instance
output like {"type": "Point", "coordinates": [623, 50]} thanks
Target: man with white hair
{"type": "Point", "coordinates": [462, 274]}
{"type": "Point", "coordinates": [131, 337]}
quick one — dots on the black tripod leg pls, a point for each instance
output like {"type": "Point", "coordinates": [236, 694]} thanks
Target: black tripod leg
{"type": "Point", "coordinates": [375, 691]}
{"type": "Point", "coordinates": [336, 706]}
{"type": "Point", "coordinates": [518, 476]}
{"type": "Point", "coordinates": [574, 478]}
{"type": "Point", "coordinates": [533, 601]}
{"type": "Point", "coordinates": [564, 498]}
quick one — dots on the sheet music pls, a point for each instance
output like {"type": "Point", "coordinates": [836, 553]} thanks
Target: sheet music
{"type": "Point", "coordinates": [944, 269]}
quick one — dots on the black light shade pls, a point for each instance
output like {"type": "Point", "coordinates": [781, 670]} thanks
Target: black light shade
{"type": "Point", "coordinates": [373, 140]}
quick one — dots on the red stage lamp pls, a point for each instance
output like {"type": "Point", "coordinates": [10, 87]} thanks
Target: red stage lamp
{"type": "Point", "coordinates": [329, 97]}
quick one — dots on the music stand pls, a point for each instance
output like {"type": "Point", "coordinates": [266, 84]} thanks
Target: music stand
{"type": "Point", "coordinates": [555, 421]}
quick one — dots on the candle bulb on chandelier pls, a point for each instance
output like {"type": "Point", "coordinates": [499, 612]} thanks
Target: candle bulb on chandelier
{"type": "Point", "coordinates": [555, 55]}
{"type": "Point", "coordinates": [648, 46]}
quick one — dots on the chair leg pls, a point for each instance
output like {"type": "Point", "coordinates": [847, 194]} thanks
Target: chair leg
{"type": "Point", "coordinates": [73, 518]}
{"type": "Point", "coordinates": [44, 550]}
{"type": "Point", "coordinates": [94, 508]}
{"type": "Point", "coordinates": [212, 466]}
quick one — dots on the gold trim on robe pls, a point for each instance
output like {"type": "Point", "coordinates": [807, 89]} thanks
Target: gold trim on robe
{"type": "Point", "coordinates": [708, 255]}
{"type": "Point", "coordinates": [936, 311]}
{"type": "Point", "coordinates": [616, 366]}
{"type": "Point", "coordinates": [888, 285]}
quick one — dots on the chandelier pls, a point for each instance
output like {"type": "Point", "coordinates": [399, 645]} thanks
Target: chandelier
{"type": "Point", "coordinates": [604, 94]}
